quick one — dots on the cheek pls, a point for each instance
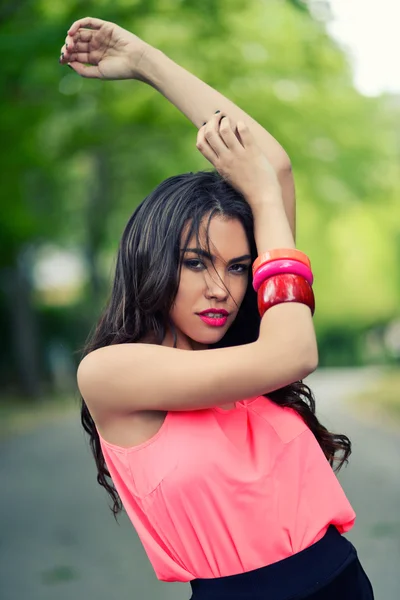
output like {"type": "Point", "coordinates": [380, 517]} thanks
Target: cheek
{"type": "Point", "coordinates": [238, 287]}
{"type": "Point", "coordinates": [190, 287]}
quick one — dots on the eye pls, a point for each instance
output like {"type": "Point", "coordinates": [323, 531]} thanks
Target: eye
{"type": "Point", "coordinates": [194, 264]}
{"type": "Point", "coordinates": [239, 268]}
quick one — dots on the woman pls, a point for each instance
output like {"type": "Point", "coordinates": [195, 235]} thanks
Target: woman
{"type": "Point", "coordinates": [217, 456]}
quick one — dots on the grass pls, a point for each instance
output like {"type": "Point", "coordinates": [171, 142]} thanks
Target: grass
{"type": "Point", "coordinates": [382, 400]}
{"type": "Point", "coordinates": [19, 415]}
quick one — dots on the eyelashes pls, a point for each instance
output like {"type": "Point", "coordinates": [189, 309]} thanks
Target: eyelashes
{"type": "Point", "coordinates": [197, 265]}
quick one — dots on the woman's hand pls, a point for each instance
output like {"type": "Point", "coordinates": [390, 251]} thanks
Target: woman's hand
{"type": "Point", "coordinates": [239, 160]}
{"type": "Point", "coordinates": [100, 49]}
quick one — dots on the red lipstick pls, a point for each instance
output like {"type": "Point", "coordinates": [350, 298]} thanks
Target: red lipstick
{"type": "Point", "coordinates": [214, 317]}
{"type": "Point", "coordinates": [215, 311]}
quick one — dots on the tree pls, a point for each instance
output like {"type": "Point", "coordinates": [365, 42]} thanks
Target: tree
{"type": "Point", "coordinates": [82, 153]}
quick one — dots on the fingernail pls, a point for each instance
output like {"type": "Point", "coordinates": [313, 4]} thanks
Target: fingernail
{"type": "Point", "coordinates": [217, 111]}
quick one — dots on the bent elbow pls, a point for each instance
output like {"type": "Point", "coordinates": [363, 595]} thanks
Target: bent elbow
{"type": "Point", "coordinates": [285, 166]}
{"type": "Point", "coordinates": [310, 361]}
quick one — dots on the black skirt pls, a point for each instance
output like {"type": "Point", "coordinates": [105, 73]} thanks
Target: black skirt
{"type": "Point", "coordinates": [327, 570]}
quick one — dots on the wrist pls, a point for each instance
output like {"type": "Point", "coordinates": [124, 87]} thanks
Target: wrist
{"type": "Point", "coordinates": [264, 202]}
{"type": "Point", "coordinates": [146, 67]}
{"type": "Point", "coordinates": [271, 227]}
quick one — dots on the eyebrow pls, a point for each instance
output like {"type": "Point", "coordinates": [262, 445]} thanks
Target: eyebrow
{"type": "Point", "coordinates": [202, 252]}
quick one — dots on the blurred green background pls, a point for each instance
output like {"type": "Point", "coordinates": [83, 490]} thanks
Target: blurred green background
{"type": "Point", "coordinates": [77, 156]}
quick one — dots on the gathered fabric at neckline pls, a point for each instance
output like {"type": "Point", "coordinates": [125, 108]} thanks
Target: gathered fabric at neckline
{"type": "Point", "coordinates": [239, 404]}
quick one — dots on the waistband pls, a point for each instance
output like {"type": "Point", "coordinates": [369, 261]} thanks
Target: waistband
{"type": "Point", "coordinates": [294, 575]}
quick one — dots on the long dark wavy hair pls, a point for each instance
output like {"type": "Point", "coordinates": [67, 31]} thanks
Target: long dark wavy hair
{"type": "Point", "coordinates": [146, 283]}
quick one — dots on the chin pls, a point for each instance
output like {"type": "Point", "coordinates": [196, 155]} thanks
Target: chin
{"type": "Point", "coordinates": [210, 337]}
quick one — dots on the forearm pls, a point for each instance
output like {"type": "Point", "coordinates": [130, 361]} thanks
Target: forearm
{"type": "Point", "coordinates": [290, 324]}
{"type": "Point", "coordinates": [271, 226]}
{"type": "Point", "coordinates": [198, 102]}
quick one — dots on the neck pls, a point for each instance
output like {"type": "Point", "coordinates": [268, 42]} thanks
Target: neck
{"type": "Point", "coordinates": [183, 342]}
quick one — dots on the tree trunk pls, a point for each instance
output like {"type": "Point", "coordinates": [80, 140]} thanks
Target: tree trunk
{"type": "Point", "coordinates": [23, 324]}
{"type": "Point", "coordinates": [98, 210]}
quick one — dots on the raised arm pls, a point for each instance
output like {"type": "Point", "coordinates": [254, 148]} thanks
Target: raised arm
{"type": "Point", "coordinates": [130, 377]}
{"type": "Point", "coordinates": [198, 101]}
{"type": "Point", "coordinates": [118, 54]}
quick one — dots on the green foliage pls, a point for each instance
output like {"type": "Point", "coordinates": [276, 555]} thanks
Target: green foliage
{"type": "Point", "coordinates": [79, 155]}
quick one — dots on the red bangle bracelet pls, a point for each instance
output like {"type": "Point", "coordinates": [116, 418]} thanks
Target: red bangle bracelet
{"type": "Point", "coordinates": [278, 253]}
{"type": "Point", "coordinates": [285, 288]}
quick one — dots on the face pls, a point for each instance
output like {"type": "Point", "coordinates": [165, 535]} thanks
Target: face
{"type": "Point", "coordinates": [209, 296]}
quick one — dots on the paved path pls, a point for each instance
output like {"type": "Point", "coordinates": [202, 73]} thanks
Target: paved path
{"type": "Point", "coordinates": [58, 538]}
{"type": "Point", "coordinates": [372, 478]}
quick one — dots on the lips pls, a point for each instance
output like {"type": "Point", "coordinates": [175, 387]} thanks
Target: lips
{"type": "Point", "coordinates": [214, 321]}
{"type": "Point", "coordinates": [214, 312]}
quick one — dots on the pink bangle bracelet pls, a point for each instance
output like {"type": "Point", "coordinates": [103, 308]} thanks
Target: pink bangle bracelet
{"type": "Point", "coordinates": [280, 267]}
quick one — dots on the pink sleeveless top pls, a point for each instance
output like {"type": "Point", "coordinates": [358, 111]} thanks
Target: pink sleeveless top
{"type": "Point", "coordinates": [218, 492]}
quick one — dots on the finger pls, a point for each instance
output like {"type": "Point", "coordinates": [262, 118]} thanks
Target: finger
{"type": "Point", "coordinates": [79, 47]}
{"type": "Point", "coordinates": [85, 22]}
{"type": "Point", "coordinates": [227, 133]}
{"type": "Point", "coordinates": [214, 121]}
{"type": "Point", "coordinates": [88, 71]}
{"type": "Point", "coordinates": [246, 137]}
{"type": "Point", "coordinates": [68, 42]}
{"type": "Point", "coordinates": [203, 146]}
{"type": "Point", "coordinates": [63, 55]}
{"type": "Point", "coordinates": [83, 35]}
{"type": "Point", "coordinates": [213, 136]}
{"type": "Point", "coordinates": [66, 52]}
{"type": "Point", "coordinates": [77, 43]}
{"type": "Point", "coordinates": [83, 57]}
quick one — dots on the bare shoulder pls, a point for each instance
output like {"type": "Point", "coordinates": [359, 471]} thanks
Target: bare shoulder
{"type": "Point", "coordinates": [130, 430]}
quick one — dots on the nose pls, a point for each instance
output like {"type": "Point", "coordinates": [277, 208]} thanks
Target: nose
{"type": "Point", "coordinates": [215, 287]}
